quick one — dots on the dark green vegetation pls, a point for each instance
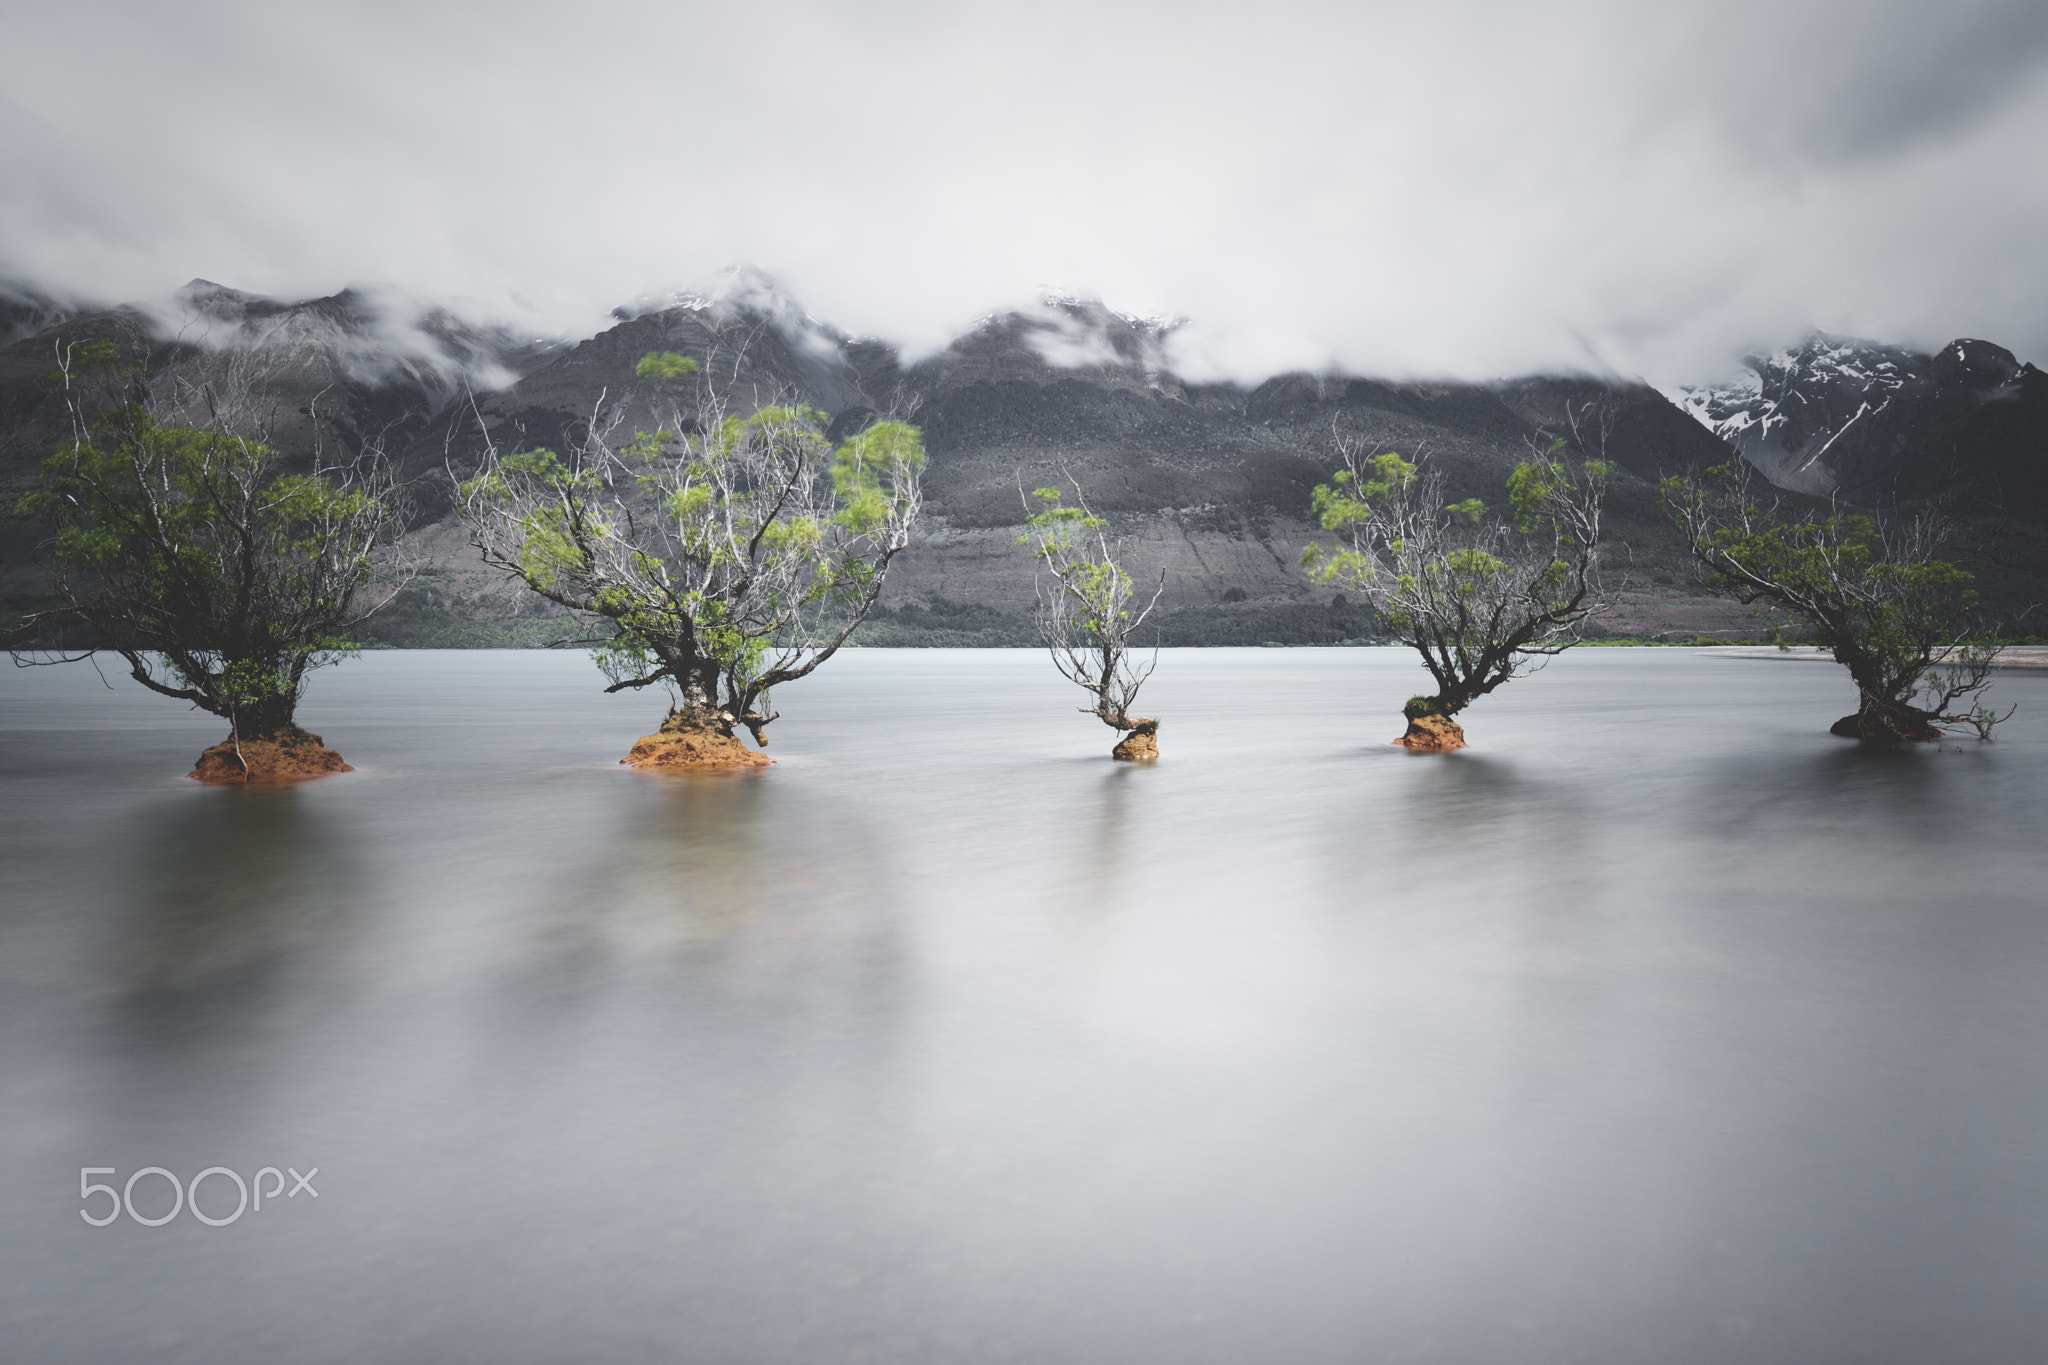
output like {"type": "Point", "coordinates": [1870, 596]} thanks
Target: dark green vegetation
{"type": "Point", "coordinates": [1480, 596]}
{"type": "Point", "coordinates": [195, 552]}
{"type": "Point", "coordinates": [719, 555]}
{"type": "Point", "coordinates": [1873, 590]}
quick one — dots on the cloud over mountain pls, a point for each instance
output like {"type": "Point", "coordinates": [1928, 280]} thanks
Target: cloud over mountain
{"type": "Point", "coordinates": [1391, 189]}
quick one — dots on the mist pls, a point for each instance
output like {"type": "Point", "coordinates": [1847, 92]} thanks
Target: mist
{"type": "Point", "coordinates": [1499, 190]}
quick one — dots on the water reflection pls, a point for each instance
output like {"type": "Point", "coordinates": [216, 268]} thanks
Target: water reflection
{"type": "Point", "coordinates": [233, 885]}
{"type": "Point", "coordinates": [1466, 815]}
{"type": "Point", "coordinates": [1847, 788]}
{"type": "Point", "coordinates": [1634, 1035]}
{"type": "Point", "coordinates": [727, 864]}
{"type": "Point", "coordinates": [1107, 830]}
{"type": "Point", "coordinates": [699, 863]}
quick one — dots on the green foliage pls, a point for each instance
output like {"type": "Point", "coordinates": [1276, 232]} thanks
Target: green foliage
{"type": "Point", "coordinates": [1533, 486]}
{"type": "Point", "coordinates": [865, 468]}
{"type": "Point", "coordinates": [1831, 570]}
{"type": "Point", "coordinates": [1349, 498]}
{"type": "Point", "coordinates": [1086, 620]}
{"type": "Point", "coordinates": [89, 356]}
{"type": "Point", "coordinates": [1876, 594]}
{"type": "Point", "coordinates": [220, 577]}
{"type": "Point", "coordinates": [1096, 587]}
{"type": "Point", "coordinates": [719, 555]}
{"type": "Point", "coordinates": [1471, 591]}
{"type": "Point", "coordinates": [664, 367]}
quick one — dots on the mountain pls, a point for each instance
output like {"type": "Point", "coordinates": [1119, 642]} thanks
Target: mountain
{"type": "Point", "coordinates": [1207, 484]}
{"type": "Point", "coordinates": [25, 311]}
{"type": "Point", "coordinates": [331, 374]}
{"type": "Point", "coordinates": [1880, 424]}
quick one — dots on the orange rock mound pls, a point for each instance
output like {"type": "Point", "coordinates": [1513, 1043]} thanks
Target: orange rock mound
{"type": "Point", "coordinates": [677, 745]}
{"type": "Point", "coordinates": [1438, 733]}
{"type": "Point", "coordinates": [1140, 745]}
{"type": "Point", "coordinates": [288, 756]}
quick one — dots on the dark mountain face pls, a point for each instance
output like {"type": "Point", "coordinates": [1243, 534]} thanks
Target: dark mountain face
{"type": "Point", "coordinates": [1209, 484]}
{"type": "Point", "coordinates": [24, 311]}
{"type": "Point", "coordinates": [329, 375]}
{"type": "Point", "coordinates": [336, 369]}
{"type": "Point", "coordinates": [1882, 424]}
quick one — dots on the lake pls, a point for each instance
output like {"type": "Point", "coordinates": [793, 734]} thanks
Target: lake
{"type": "Point", "coordinates": [1660, 1025]}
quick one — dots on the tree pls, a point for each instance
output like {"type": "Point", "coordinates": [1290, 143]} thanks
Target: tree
{"type": "Point", "coordinates": [719, 556]}
{"type": "Point", "coordinates": [1084, 617]}
{"type": "Point", "coordinates": [219, 574]}
{"type": "Point", "coordinates": [1481, 597]}
{"type": "Point", "coordinates": [1873, 590]}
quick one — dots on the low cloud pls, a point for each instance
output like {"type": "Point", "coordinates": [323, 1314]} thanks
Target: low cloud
{"type": "Point", "coordinates": [1400, 190]}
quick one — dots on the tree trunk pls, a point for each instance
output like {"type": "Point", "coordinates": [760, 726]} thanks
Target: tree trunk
{"type": "Point", "coordinates": [265, 719]}
{"type": "Point", "coordinates": [1882, 712]}
{"type": "Point", "coordinates": [698, 732]}
{"type": "Point", "coordinates": [695, 716]}
{"type": "Point", "coordinates": [1887, 722]}
{"type": "Point", "coordinates": [699, 708]}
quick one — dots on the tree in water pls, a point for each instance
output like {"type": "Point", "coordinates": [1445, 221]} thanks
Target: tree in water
{"type": "Point", "coordinates": [1874, 591]}
{"type": "Point", "coordinates": [220, 575]}
{"type": "Point", "coordinates": [1085, 618]}
{"type": "Point", "coordinates": [1481, 597]}
{"type": "Point", "coordinates": [719, 556]}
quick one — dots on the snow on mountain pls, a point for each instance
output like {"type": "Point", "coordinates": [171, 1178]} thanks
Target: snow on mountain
{"type": "Point", "coordinates": [1787, 412]}
{"type": "Point", "coordinates": [1878, 423]}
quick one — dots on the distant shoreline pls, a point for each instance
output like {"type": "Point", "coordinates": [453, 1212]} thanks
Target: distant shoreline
{"type": "Point", "coordinates": [2012, 656]}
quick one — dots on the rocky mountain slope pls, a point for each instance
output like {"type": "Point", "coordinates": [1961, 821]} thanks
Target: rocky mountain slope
{"type": "Point", "coordinates": [1880, 424]}
{"type": "Point", "coordinates": [329, 375]}
{"type": "Point", "coordinates": [1207, 484]}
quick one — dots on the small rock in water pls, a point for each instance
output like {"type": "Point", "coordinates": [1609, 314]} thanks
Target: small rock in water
{"type": "Point", "coordinates": [1140, 745]}
{"type": "Point", "coordinates": [683, 746]}
{"type": "Point", "coordinates": [288, 756]}
{"type": "Point", "coordinates": [1437, 733]}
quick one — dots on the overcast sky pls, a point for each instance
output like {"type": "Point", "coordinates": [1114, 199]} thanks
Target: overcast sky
{"type": "Point", "coordinates": [1467, 190]}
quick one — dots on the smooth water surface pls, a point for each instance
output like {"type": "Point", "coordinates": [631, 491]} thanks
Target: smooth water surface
{"type": "Point", "coordinates": [1660, 1026]}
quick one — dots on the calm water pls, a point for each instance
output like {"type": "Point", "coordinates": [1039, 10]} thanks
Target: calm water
{"type": "Point", "coordinates": [1661, 1026]}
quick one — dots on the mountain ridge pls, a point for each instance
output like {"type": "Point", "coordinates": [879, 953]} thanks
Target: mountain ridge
{"type": "Point", "coordinates": [1207, 483]}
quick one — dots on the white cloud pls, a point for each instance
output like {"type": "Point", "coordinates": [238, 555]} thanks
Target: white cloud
{"type": "Point", "coordinates": [1398, 189]}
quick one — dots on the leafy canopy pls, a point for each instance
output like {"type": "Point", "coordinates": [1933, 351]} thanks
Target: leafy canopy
{"type": "Point", "coordinates": [1471, 591]}
{"type": "Point", "coordinates": [721, 552]}
{"type": "Point", "coordinates": [220, 575]}
{"type": "Point", "coordinates": [1086, 618]}
{"type": "Point", "coordinates": [1875, 592]}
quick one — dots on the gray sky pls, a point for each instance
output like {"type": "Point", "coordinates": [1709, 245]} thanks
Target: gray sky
{"type": "Point", "coordinates": [1399, 189]}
